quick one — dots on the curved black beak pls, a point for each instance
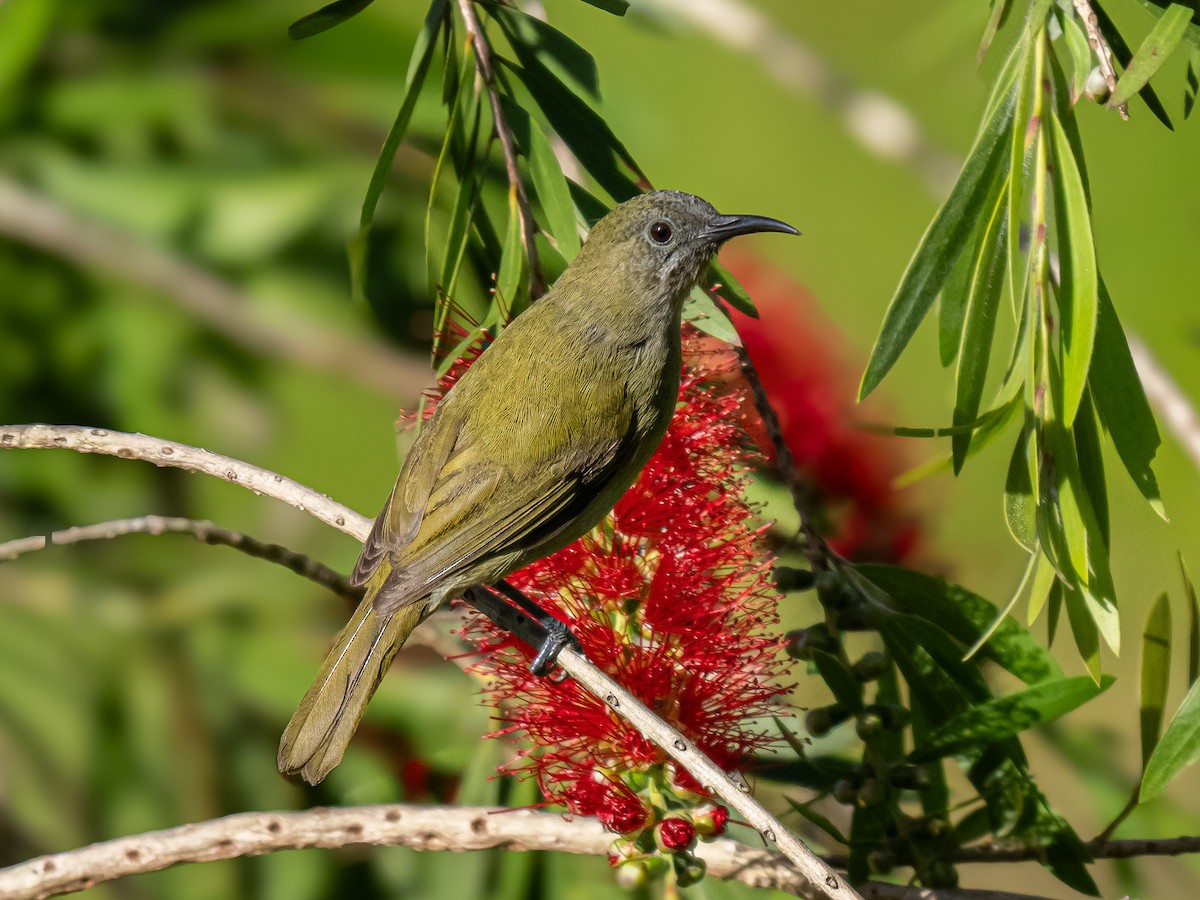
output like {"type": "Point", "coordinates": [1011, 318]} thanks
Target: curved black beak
{"type": "Point", "coordinates": [722, 228]}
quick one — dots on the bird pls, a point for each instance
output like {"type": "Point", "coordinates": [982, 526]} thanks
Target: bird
{"type": "Point", "coordinates": [531, 448]}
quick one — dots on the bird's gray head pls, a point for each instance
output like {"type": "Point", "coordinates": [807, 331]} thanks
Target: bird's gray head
{"type": "Point", "coordinates": [660, 242]}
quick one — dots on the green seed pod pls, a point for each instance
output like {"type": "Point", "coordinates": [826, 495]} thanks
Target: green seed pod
{"type": "Point", "coordinates": [802, 641]}
{"type": "Point", "coordinates": [821, 721]}
{"type": "Point", "coordinates": [870, 666]}
{"type": "Point", "coordinates": [789, 578]}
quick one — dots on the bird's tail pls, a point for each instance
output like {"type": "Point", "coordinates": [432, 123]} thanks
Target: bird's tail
{"type": "Point", "coordinates": [317, 735]}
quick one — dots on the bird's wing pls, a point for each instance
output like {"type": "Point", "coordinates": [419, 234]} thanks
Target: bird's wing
{"type": "Point", "coordinates": [483, 505]}
{"type": "Point", "coordinates": [401, 517]}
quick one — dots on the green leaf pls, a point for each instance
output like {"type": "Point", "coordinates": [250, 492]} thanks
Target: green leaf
{"type": "Point", "coordinates": [1080, 285]}
{"type": "Point", "coordinates": [1121, 402]}
{"type": "Point", "coordinates": [326, 17]}
{"type": "Point", "coordinates": [942, 242]}
{"type": "Point", "coordinates": [1162, 40]}
{"type": "Point", "coordinates": [1121, 51]}
{"type": "Point", "coordinates": [996, 20]}
{"type": "Point", "coordinates": [718, 282]}
{"type": "Point", "coordinates": [616, 7]}
{"type": "Point", "coordinates": [1085, 632]}
{"type": "Point", "coordinates": [1081, 54]}
{"type": "Point", "coordinates": [1003, 614]}
{"type": "Point", "coordinates": [990, 427]}
{"type": "Point", "coordinates": [952, 307]}
{"type": "Point", "coordinates": [1091, 470]}
{"type": "Point", "coordinates": [1178, 748]}
{"type": "Point", "coordinates": [846, 689]}
{"type": "Point", "coordinates": [418, 67]}
{"type": "Point", "coordinates": [1189, 591]}
{"type": "Point", "coordinates": [817, 819]}
{"type": "Point", "coordinates": [1020, 505]}
{"type": "Point", "coordinates": [1004, 717]}
{"type": "Point", "coordinates": [909, 431]}
{"type": "Point", "coordinates": [1193, 82]}
{"type": "Point", "coordinates": [552, 186]}
{"type": "Point", "coordinates": [983, 301]}
{"type": "Point", "coordinates": [965, 616]}
{"type": "Point", "coordinates": [1044, 578]}
{"type": "Point", "coordinates": [1156, 671]}
{"type": "Point", "coordinates": [1026, 130]}
{"type": "Point", "coordinates": [582, 129]}
{"type": "Point", "coordinates": [512, 260]}
{"type": "Point", "coordinates": [700, 310]}
{"type": "Point", "coordinates": [557, 52]}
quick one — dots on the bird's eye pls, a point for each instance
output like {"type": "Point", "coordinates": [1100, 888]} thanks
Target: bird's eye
{"type": "Point", "coordinates": [660, 232]}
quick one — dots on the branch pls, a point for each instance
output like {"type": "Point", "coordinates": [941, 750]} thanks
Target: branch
{"type": "Point", "coordinates": [201, 530]}
{"type": "Point", "coordinates": [1083, 8]}
{"type": "Point", "coordinates": [1165, 395]}
{"type": "Point", "coordinates": [35, 220]}
{"type": "Point", "coordinates": [455, 828]}
{"type": "Point", "coordinates": [820, 879]}
{"type": "Point", "coordinates": [483, 55]}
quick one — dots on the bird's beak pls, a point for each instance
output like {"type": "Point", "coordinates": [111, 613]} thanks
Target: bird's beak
{"type": "Point", "coordinates": [722, 228]}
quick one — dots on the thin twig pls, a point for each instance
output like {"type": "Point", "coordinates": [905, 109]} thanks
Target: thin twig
{"type": "Point", "coordinates": [483, 56]}
{"type": "Point", "coordinates": [1095, 36]}
{"type": "Point", "coordinates": [200, 529]}
{"type": "Point", "coordinates": [453, 828]}
{"type": "Point", "coordinates": [1175, 407]}
{"type": "Point", "coordinates": [36, 220]}
{"type": "Point", "coordinates": [822, 881]}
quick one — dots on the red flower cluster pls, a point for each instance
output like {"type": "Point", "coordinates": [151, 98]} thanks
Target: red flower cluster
{"type": "Point", "coordinates": [670, 596]}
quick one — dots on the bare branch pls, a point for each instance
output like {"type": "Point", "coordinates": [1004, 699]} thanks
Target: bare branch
{"type": "Point", "coordinates": [483, 56]}
{"type": "Point", "coordinates": [32, 219]}
{"type": "Point", "coordinates": [1083, 8]}
{"type": "Point", "coordinates": [201, 530]}
{"type": "Point", "coordinates": [822, 881]}
{"type": "Point", "coordinates": [161, 452]}
{"type": "Point", "coordinates": [1175, 407]}
{"type": "Point", "coordinates": [455, 828]}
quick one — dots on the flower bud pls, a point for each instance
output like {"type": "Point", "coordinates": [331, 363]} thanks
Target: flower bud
{"type": "Point", "coordinates": [688, 869]}
{"type": "Point", "coordinates": [870, 666]}
{"type": "Point", "coordinates": [710, 819]}
{"type": "Point", "coordinates": [1095, 88]}
{"type": "Point", "coordinates": [821, 721]}
{"type": "Point", "coordinates": [845, 791]}
{"type": "Point", "coordinates": [789, 578]}
{"type": "Point", "coordinates": [802, 641]}
{"type": "Point", "coordinates": [620, 851]}
{"type": "Point", "coordinates": [674, 834]}
{"type": "Point", "coordinates": [632, 874]}
{"type": "Point", "coordinates": [869, 724]}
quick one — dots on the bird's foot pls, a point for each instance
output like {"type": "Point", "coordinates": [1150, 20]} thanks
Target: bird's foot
{"type": "Point", "coordinates": [557, 637]}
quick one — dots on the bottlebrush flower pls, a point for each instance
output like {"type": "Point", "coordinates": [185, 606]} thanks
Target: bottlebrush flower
{"type": "Point", "coordinates": [670, 596]}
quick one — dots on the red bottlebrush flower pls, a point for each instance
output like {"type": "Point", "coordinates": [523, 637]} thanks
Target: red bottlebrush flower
{"type": "Point", "coordinates": [811, 388]}
{"type": "Point", "coordinates": [674, 833]}
{"type": "Point", "coordinates": [670, 596]}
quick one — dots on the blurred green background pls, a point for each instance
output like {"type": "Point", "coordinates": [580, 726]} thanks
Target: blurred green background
{"type": "Point", "coordinates": [144, 681]}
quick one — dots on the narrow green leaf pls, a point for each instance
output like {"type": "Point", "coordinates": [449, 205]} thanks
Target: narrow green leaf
{"type": "Point", "coordinates": [616, 7]}
{"type": "Point", "coordinates": [512, 261]}
{"type": "Point", "coordinates": [996, 20]}
{"type": "Point", "coordinates": [326, 17]}
{"type": "Point", "coordinates": [555, 50]}
{"type": "Point", "coordinates": [1026, 130]}
{"type": "Point", "coordinates": [701, 311]}
{"type": "Point", "coordinates": [1091, 470]}
{"type": "Point", "coordinates": [1156, 671]}
{"type": "Point", "coordinates": [817, 819]}
{"type": "Point", "coordinates": [1193, 82]}
{"type": "Point", "coordinates": [1020, 505]}
{"type": "Point", "coordinates": [1004, 717]}
{"type": "Point", "coordinates": [553, 188]}
{"type": "Point", "coordinates": [1189, 591]}
{"type": "Point", "coordinates": [1081, 54]}
{"type": "Point", "coordinates": [1083, 628]}
{"type": "Point", "coordinates": [1123, 55]}
{"type": "Point", "coordinates": [1054, 610]}
{"type": "Point", "coordinates": [942, 242]}
{"type": "Point", "coordinates": [582, 129]}
{"type": "Point", "coordinates": [846, 689]}
{"type": "Point", "coordinates": [418, 67]}
{"type": "Point", "coordinates": [718, 281]}
{"type": "Point", "coordinates": [1162, 40]}
{"type": "Point", "coordinates": [1044, 578]}
{"type": "Point", "coordinates": [1080, 286]}
{"type": "Point", "coordinates": [985, 434]}
{"type": "Point", "coordinates": [23, 28]}
{"type": "Point", "coordinates": [909, 431]}
{"type": "Point", "coordinates": [952, 307]}
{"type": "Point", "coordinates": [983, 301]}
{"type": "Point", "coordinates": [1008, 608]}
{"type": "Point", "coordinates": [965, 616]}
{"type": "Point", "coordinates": [1121, 402]}
{"type": "Point", "coordinates": [1178, 748]}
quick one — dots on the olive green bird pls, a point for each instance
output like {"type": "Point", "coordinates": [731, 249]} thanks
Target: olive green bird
{"type": "Point", "coordinates": [529, 451]}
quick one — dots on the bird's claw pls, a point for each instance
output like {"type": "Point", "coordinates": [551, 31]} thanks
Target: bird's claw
{"type": "Point", "coordinates": [557, 637]}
